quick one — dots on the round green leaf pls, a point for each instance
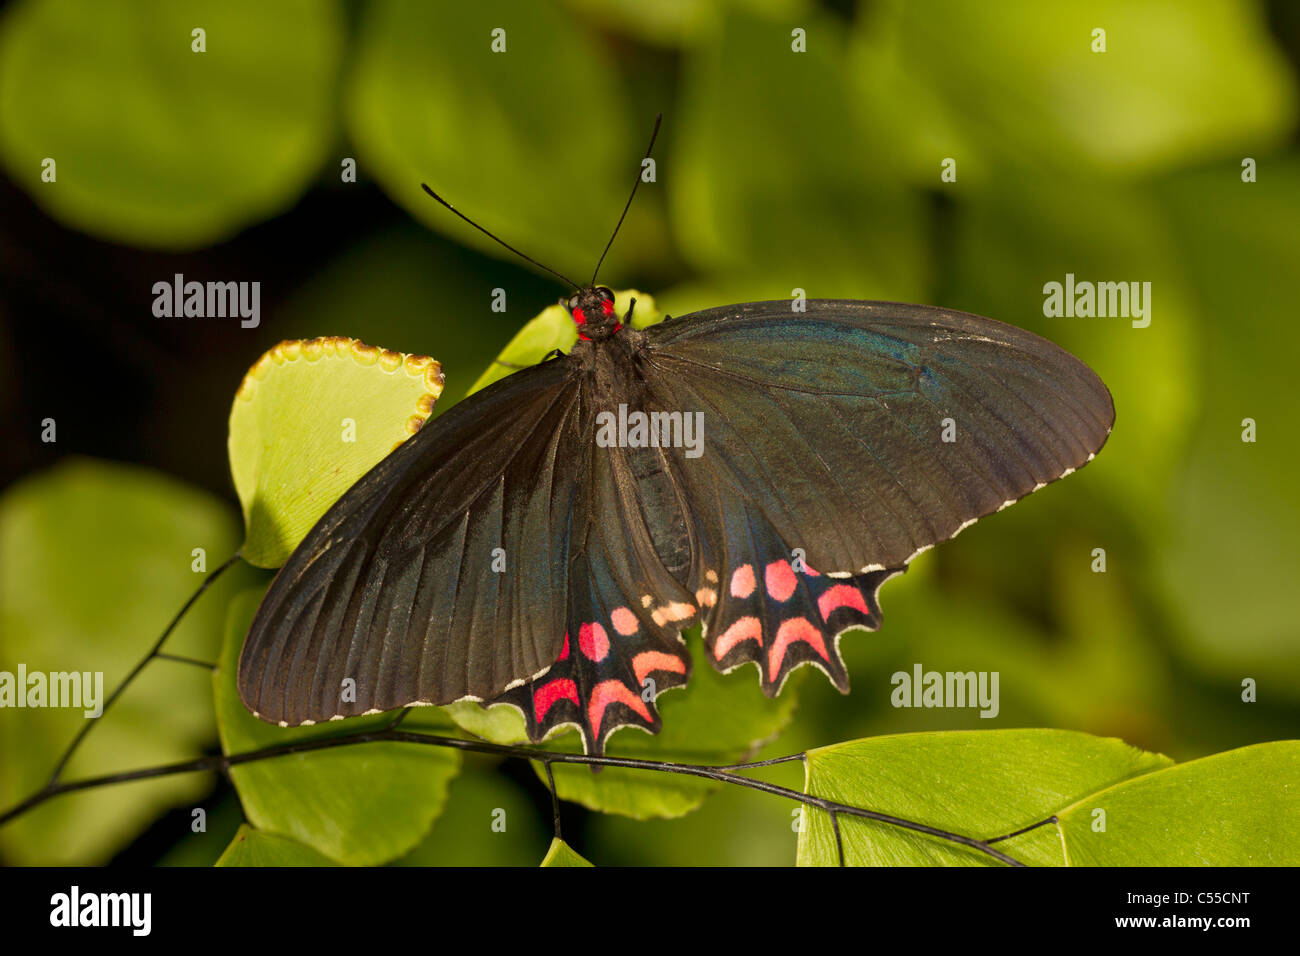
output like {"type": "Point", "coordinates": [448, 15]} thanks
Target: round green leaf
{"type": "Point", "coordinates": [155, 144]}
{"type": "Point", "coordinates": [359, 805]}
{"type": "Point", "coordinates": [430, 101]}
{"type": "Point", "coordinates": [561, 854]}
{"type": "Point", "coordinates": [977, 783]}
{"type": "Point", "coordinates": [98, 557]}
{"type": "Point", "coordinates": [309, 419]}
{"type": "Point", "coordinates": [254, 848]}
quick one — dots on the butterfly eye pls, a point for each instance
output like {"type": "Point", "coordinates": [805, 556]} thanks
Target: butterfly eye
{"type": "Point", "coordinates": [605, 293]}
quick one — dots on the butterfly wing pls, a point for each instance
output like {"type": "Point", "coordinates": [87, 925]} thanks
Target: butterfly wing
{"type": "Point", "coordinates": [400, 585]}
{"type": "Point", "coordinates": [841, 442]}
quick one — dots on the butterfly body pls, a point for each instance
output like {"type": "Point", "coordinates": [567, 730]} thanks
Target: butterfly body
{"type": "Point", "coordinates": [793, 461]}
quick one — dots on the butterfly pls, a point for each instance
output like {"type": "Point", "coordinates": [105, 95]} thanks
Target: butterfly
{"type": "Point", "coordinates": [755, 469]}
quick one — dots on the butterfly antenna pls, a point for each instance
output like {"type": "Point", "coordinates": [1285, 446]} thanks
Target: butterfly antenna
{"type": "Point", "coordinates": [636, 183]}
{"type": "Point", "coordinates": [497, 239]}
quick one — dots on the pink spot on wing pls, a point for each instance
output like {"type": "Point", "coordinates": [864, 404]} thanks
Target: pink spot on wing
{"type": "Point", "coordinates": [742, 581]}
{"type": "Point", "coordinates": [794, 629]}
{"type": "Point", "coordinates": [546, 696]}
{"type": "Point", "coordinates": [706, 597]}
{"type": "Point", "coordinates": [647, 662]}
{"type": "Point", "coordinates": [810, 572]}
{"type": "Point", "coordinates": [780, 580]}
{"type": "Point", "coordinates": [673, 611]}
{"type": "Point", "coordinates": [564, 651]}
{"type": "Point", "coordinates": [625, 621]}
{"type": "Point", "coordinates": [743, 629]}
{"type": "Point", "coordinates": [612, 692]}
{"type": "Point", "coordinates": [841, 595]}
{"type": "Point", "coordinates": [593, 641]}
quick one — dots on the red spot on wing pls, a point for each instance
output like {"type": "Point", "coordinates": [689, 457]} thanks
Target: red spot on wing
{"type": "Point", "coordinates": [794, 629]}
{"type": "Point", "coordinates": [625, 621]}
{"type": "Point", "coordinates": [545, 697]}
{"type": "Point", "coordinates": [564, 651]}
{"type": "Point", "coordinates": [742, 581]}
{"type": "Point", "coordinates": [842, 595]}
{"type": "Point", "coordinates": [648, 662]}
{"type": "Point", "coordinates": [612, 692]}
{"type": "Point", "coordinates": [593, 641]}
{"type": "Point", "coordinates": [780, 580]}
{"type": "Point", "coordinates": [743, 629]}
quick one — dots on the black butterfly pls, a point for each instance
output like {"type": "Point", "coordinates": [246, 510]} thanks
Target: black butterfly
{"type": "Point", "coordinates": [802, 461]}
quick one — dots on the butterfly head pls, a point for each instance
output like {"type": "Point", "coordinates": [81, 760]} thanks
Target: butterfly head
{"type": "Point", "coordinates": [592, 311]}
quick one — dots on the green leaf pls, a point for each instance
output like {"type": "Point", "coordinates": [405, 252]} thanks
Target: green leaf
{"type": "Point", "coordinates": [977, 783]}
{"type": "Point", "coordinates": [774, 175]}
{"type": "Point", "coordinates": [156, 145]}
{"type": "Point", "coordinates": [492, 145]}
{"type": "Point", "coordinates": [254, 848]}
{"type": "Point", "coordinates": [361, 804]}
{"type": "Point", "coordinates": [554, 329]}
{"type": "Point", "coordinates": [98, 558]}
{"type": "Point", "coordinates": [309, 419]}
{"type": "Point", "coordinates": [715, 719]}
{"type": "Point", "coordinates": [561, 854]}
{"type": "Point", "coordinates": [1232, 809]}
{"type": "Point", "coordinates": [944, 79]}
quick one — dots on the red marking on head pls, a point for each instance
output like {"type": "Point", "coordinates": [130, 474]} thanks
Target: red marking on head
{"type": "Point", "coordinates": [794, 629]}
{"type": "Point", "coordinates": [742, 581]}
{"type": "Point", "coordinates": [625, 621]}
{"type": "Point", "coordinates": [743, 629]}
{"type": "Point", "coordinates": [593, 641]}
{"type": "Point", "coordinates": [780, 580]}
{"type": "Point", "coordinates": [545, 697]}
{"type": "Point", "coordinates": [647, 662]}
{"type": "Point", "coordinates": [607, 306]}
{"type": "Point", "coordinates": [578, 317]}
{"type": "Point", "coordinates": [612, 692]}
{"type": "Point", "coordinates": [564, 651]}
{"type": "Point", "coordinates": [842, 595]}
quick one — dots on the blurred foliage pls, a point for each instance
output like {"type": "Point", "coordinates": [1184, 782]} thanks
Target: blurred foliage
{"type": "Point", "coordinates": [158, 145]}
{"type": "Point", "coordinates": [775, 170]}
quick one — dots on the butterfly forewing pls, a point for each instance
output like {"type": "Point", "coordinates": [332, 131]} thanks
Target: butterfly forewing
{"type": "Point", "coordinates": [400, 586]}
